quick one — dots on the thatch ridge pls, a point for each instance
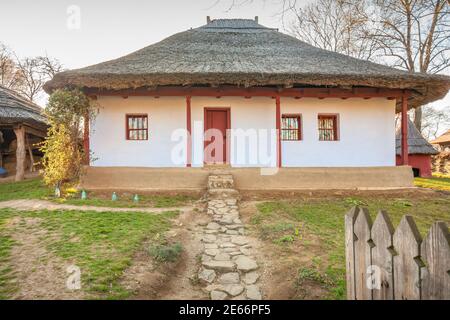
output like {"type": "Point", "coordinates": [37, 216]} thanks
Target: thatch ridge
{"type": "Point", "coordinates": [15, 109]}
{"type": "Point", "coordinates": [417, 144]}
{"type": "Point", "coordinates": [244, 53]}
{"type": "Point", "coordinates": [444, 138]}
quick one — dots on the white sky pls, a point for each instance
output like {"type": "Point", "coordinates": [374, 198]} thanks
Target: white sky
{"type": "Point", "coordinates": [112, 28]}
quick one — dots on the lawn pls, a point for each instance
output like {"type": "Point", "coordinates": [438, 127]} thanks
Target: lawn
{"type": "Point", "coordinates": [35, 189]}
{"type": "Point", "coordinates": [292, 225]}
{"type": "Point", "coordinates": [101, 244]}
{"type": "Point", "coordinates": [436, 182]}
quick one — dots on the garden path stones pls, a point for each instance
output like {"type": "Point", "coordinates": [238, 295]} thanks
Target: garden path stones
{"type": "Point", "coordinates": [229, 270]}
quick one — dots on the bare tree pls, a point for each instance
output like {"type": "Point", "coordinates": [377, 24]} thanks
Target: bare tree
{"type": "Point", "coordinates": [10, 76]}
{"type": "Point", "coordinates": [415, 34]}
{"type": "Point", "coordinates": [434, 121]}
{"type": "Point", "coordinates": [35, 72]}
{"type": "Point", "coordinates": [336, 25]}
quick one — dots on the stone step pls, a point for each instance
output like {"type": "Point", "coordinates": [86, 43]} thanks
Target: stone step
{"type": "Point", "coordinates": [220, 181]}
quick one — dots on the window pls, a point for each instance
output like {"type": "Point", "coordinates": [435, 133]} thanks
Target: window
{"type": "Point", "coordinates": [291, 127]}
{"type": "Point", "coordinates": [328, 127]}
{"type": "Point", "coordinates": [137, 126]}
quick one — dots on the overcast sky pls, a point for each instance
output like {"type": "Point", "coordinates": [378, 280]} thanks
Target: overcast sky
{"type": "Point", "coordinates": [112, 28]}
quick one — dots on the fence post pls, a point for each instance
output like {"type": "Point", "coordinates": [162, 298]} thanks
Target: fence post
{"type": "Point", "coordinates": [435, 251]}
{"type": "Point", "coordinates": [381, 233]}
{"type": "Point", "coordinates": [350, 218]}
{"type": "Point", "coordinates": [363, 259]}
{"type": "Point", "coordinates": [407, 262]}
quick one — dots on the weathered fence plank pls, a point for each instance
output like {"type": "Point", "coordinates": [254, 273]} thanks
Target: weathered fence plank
{"type": "Point", "coordinates": [362, 226]}
{"type": "Point", "coordinates": [381, 233]}
{"type": "Point", "coordinates": [350, 218]}
{"type": "Point", "coordinates": [435, 252]}
{"type": "Point", "coordinates": [407, 266]}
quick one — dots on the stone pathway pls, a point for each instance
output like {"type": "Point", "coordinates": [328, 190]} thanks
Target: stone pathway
{"type": "Point", "coordinates": [35, 204]}
{"type": "Point", "coordinates": [229, 270]}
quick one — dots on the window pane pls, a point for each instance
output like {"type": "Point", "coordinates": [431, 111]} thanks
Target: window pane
{"type": "Point", "coordinates": [137, 127]}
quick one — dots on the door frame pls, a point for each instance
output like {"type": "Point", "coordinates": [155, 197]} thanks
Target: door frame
{"type": "Point", "coordinates": [228, 144]}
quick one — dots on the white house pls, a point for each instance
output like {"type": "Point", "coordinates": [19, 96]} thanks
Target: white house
{"type": "Point", "coordinates": [234, 95]}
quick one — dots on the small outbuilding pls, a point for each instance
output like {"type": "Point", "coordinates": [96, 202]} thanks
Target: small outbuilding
{"type": "Point", "coordinates": [419, 151]}
{"type": "Point", "coordinates": [443, 141]}
{"type": "Point", "coordinates": [22, 126]}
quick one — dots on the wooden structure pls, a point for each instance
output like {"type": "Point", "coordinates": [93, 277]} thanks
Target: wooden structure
{"type": "Point", "coordinates": [384, 263]}
{"type": "Point", "coordinates": [22, 125]}
{"type": "Point", "coordinates": [419, 151]}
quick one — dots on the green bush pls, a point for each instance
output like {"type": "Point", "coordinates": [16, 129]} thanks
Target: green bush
{"type": "Point", "coordinates": [166, 252]}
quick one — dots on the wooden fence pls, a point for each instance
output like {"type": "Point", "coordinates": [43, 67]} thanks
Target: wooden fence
{"type": "Point", "coordinates": [387, 264]}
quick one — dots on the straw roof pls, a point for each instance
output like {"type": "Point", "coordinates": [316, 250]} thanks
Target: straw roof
{"type": "Point", "coordinates": [417, 144]}
{"type": "Point", "coordinates": [16, 110]}
{"type": "Point", "coordinates": [443, 139]}
{"type": "Point", "coordinates": [244, 53]}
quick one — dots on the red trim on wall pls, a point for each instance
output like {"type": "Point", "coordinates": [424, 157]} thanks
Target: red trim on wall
{"type": "Point", "coordinates": [254, 92]}
{"type": "Point", "coordinates": [86, 142]}
{"type": "Point", "coordinates": [227, 134]}
{"type": "Point", "coordinates": [404, 130]}
{"type": "Point", "coordinates": [278, 125]}
{"type": "Point", "coordinates": [189, 132]}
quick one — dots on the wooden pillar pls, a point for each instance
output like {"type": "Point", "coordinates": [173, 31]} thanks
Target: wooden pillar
{"type": "Point", "coordinates": [20, 153]}
{"type": "Point", "coordinates": [86, 143]}
{"type": "Point", "coordinates": [189, 132]}
{"type": "Point", "coordinates": [404, 129]}
{"type": "Point", "coordinates": [278, 124]}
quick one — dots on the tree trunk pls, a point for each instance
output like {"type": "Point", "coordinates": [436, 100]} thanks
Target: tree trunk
{"type": "Point", "coordinates": [20, 153]}
{"type": "Point", "coordinates": [418, 118]}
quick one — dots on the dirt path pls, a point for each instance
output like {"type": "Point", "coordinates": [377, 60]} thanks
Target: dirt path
{"type": "Point", "coordinates": [35, 204]}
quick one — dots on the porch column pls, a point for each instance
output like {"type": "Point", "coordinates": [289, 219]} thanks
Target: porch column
{"type": "Point", "coordinates": [404, 129]}
{"type": "Point", "coordinates": [20, 153]}
{"type": "Point", "coordinates": [278, 124]}
{"type": "Point", "coordinates": [189, 132]}
{"type": "Point", "coordinates": [86, 143]}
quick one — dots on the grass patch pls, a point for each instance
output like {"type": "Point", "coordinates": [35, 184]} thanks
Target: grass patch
{"type": "Point", "coordinates": [284, 222]}
{"type": "Point", "coordinates": [436, 183]}
{"type": "Point", "coordinates": [126, 201]}
{"type": "Point", "coordinates": [7, 286]}
{"type": "Point", "coordinates": [27, 189]}
{"type": "Point", "coordinates": [166, 252]}
{"type": "Point", "coordinates": [35, 189]}
{"type": "Point", "coordinates": [102, 244]}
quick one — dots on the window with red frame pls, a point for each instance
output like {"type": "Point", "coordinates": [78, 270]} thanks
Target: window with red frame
{"type": "Point", "coordinates": [137, 126]}
{"type": "Point", "coordinates": [328, 127]}
{"type": "Point", "coordinates": [291, 127]}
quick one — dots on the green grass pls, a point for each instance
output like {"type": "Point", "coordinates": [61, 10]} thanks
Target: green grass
{"type": "Point", "coordinates": [126, 201]}
{"type": "Point", "coordinates": [101, 244]}
{"type": "Point", "coordinates": [166, 252]}
{"type": "Point", "coordinates": [27, 189]}
{"type": "Point", "coordinates": [280, 222]}
{"type": "Point", "coordinates": [35, 189]}
{"type": "Point", "coordinates": [7, 286]}
{"type": "Point", "coordinates": [437, 183]}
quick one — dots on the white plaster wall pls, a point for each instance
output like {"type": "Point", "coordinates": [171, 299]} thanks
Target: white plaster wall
{"type": "Point", "coordinates": [366, 132]}
{"type": "Point", "coordinates": [108, 141]}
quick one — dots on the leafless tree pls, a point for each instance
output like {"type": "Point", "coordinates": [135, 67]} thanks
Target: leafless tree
{"type": "Point", "coordinates": [35, 72]}
{"type": "Point", "coordinates": [415, 34]}
{"type": "Point", "coordinates": [337, 25]}
{"type": "Point", "coordinates": [434, 121]}
{"type": "Point", "coordinates": [9, 73]}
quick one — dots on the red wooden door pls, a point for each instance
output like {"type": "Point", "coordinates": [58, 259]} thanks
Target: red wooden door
{"type": "Point", "coordinates": [217, 121]}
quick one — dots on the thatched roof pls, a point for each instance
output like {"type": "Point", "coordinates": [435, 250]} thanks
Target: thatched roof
{"type": "Point", "coordinates": [16, 110]}
{"type": "Point", "coordinates": [443, 139]}
{"type": "Point", "coordinates": [417, 144]}
{"type": "Point", "coordinates": [244, 53]}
